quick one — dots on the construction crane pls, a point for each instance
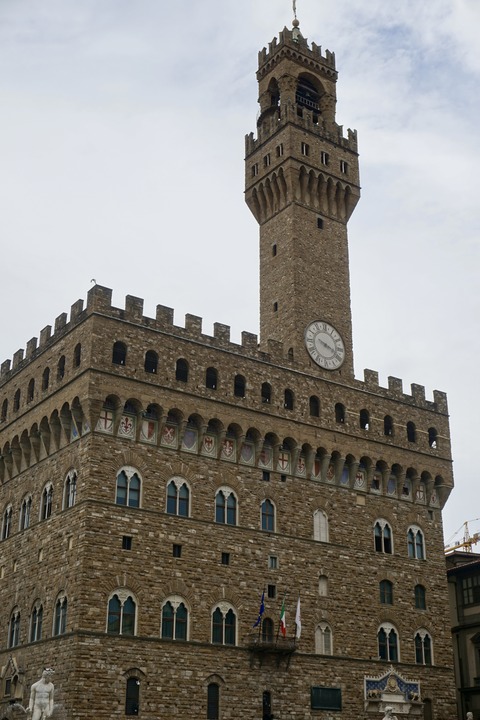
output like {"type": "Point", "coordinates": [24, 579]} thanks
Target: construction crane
{"type": "Point", "coordinates": [467, 541]}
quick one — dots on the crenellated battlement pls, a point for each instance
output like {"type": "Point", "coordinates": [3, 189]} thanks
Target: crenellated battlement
{"type": "Point", "coordinates": [288, 113]}
{"type": "Point", "coordinates": [99, 301]}
{"type": "Point", "coordinates": [295, 41]}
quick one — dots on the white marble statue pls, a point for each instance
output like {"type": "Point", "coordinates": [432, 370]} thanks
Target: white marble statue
{"type": "Point", "coordinates": [41, 697]}
{"type": "Point", "coordinates": [389, 714]}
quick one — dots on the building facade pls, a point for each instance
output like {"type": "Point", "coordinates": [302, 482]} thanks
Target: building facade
{"type": "Point", "coordinates": [167, 495]}
{"type": "Point", "coordinates": [463, 571]}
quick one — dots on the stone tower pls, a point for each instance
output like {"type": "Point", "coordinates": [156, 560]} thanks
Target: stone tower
{"type": "Point", "coordinates": [302, 185]}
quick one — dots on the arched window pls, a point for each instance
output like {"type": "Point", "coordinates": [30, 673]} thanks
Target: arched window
{"type": "Point", "coordinates": [36, 622]}
{"type": "Point", "coordinates": [31, 390]}
{"type": "Point", "coordinates": [387, 637]}
{"type": "Point", "coordinates": [121, 614]}
{"type": "Point", "coordinates": [128, 487]}
{"type": "Point", "coordinates": [16, 400]}
{"type": "Point", "coordinates": [77, 355]}
{"type": "Point", "coordinates": [266, 393]}
{"type": "Point", "coordinates": [411, 432]}
{"type": "Point", "coordinates": [226, 507]}
{"type": "Point", "coordinates": [61, 368]}
{"type": "Point", "coordinates": [364, 420]}
{"type": "Point", "coordinates": [420, 597]}
{"type": "Point", "coordinates": [7, 522]}
{"type": "Point", "coordinates": [323, 639]}
{"type": "Point", "coordinates": [268, 516]}
{"type": "Point", "coordinates": [14, 629]}
{"type": "Point", "coordinates": [181, 370]}
{"type": "Point", "coordinates": [25, 510]}
{"type": "Point", "coordinates": [386, 592]}
{"type": "Point", "coordinates": [267, 630]}
{"type": "Point", "coordinates": [119, 353]}
{"type": "Point", "coordinates": [314, 406]}
{"type": "Point", "coordinates": [423, 648]}
{"type": "Point", "coordinates": [239, 385]}
{"type": "Point", "coordinates": [213, 701]}
{"type": "Point", "coordinates": [60, 617]}
{"type": "Point", "coordinates": [4, 413]}
{"type": "Point", "coordinates": [46, 378]}
{"type": "Point", "coordinates": [211, 378]}
{"type": "Point", "coordinates": [288, 400]}
{"type": "Point", "coordinates": [70, 490]}
{"type": "Point", "coordinates": [132, 696]}
{"type": "Point", "coordinates": [174, 619]}
{"type": "Point", "coordinates": [433, 438]}
{"type": "Point", "coordinates": [307, 94]}
{"type": "Point", "coordinates": [320, 526]}
{"type": "Point", "coordinates": [323, 586]}
{"type": "Point", "coordinates": [151, 361]}
{"type": "Point", "coordinates": [388, 426]}
{"type": "Point", "coordinates": [47, 502]}
{"type": "Point", "coordinates": [339, 413]}
{"type": "Point", "coordinates": [383, 537]}
{"type": "Point", "coordinates": [224, 623]}
{"type": "Point", "coordinates": [178, 497]}
{"type": "Point", "coordinates": [415, 543]}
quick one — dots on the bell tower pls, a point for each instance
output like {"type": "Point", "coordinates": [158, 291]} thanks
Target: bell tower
{"type": "Point", "coordinates": [302, 185]}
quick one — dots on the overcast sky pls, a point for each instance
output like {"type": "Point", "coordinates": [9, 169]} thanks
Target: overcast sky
{"type": "Point", "coordinates": [121, 159]}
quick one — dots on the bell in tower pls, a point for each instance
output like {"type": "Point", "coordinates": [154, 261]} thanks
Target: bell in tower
{"type": "Point", "coordinates": [302, 185]}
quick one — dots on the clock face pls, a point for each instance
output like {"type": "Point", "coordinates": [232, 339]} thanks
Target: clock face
{"type": "Point", "coordinates": [325, 345]}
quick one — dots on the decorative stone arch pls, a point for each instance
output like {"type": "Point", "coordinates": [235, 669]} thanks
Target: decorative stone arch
{"type": "Point", "coordinates": [124, 583]}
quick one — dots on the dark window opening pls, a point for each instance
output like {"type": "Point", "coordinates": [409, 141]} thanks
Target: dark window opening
{"type": "Point", "coordinates": [307, 94]}
{"type": "Point", "coordinates": [314, 406]}
{"type": "Point", "coordinates": [77, 355]}
{"type": "Point", "coordinates": [3, 416]}
{"type": "Point", "coordinates": [364, 420]}
{"type": "Point", "coordinates": [267, 696]}
{"type": "Point", "coordinates": [288, 401]}
{"type": "Point", "coordinates": [151, 362]}
{"type": "Point", "coordinates": [265, 475]}
{"type": "Point", "coordinates": [324, 158]}
{"type": "Point", "coordinates": [339, 413]}
{"type": "Point", "coordinates": [305, 149]}
{"type": "Point", "coordinates": [266, 392]}
{"type": "Point", "coordinates": [275, 307]}
{"type": "Point", "coordinates": [177, 550]}
{"type": "Point", "coordinates": [324, 698]}
{"type": "Point", "coordinates": [388, 426]}
{"type": "Point", "coordinates": [132, 696]}
{"type": "Point", "coordinates": [411, 432]}
{"type": "Point", "coordinates": [211, 378]}
{"type": "Point", "coordinates": [274, 249]}
{"type": "Point", "coordinates": [420, 597]}
{"type": "Point", "coordinates": [386, 592]}
{"type": "Point", "coordinates": [239, 386]}
{"type": "Point", "coordinates": [225, 558]}
{"type": "Point", "coordinates": [46, 378]}
{"type": "Point", "coordinates": [126, 542]}
{"type": "Point", "coordinates": [343, 167]}
{"type": "Point", "coordinates": [255, 170]}
{"type": "Point", "coordinates": [272, 591]}
{"type": "Point", "coordinates": [213, 702]}
{"type": "Point", "coordinates": [16, 400]}
{"type": "Point", "coordinates": [433, 438]}
{"type": "Point", "coordinates": [267, 160]}
{"type": "Point", "coordinates": [320, 223]}
{"type": "Point", "coordinates": [283, 478]}
{"type": "Point", "coordinates": [61, 368]}
{"type": "Point", "coordinates": [280, 150]}
{"type": "Point", "coordinates": [181, 370]}
{"type": "Point", "coordinates": [119, 353]}
{"type": "Point", "coordinates": [31, 390]}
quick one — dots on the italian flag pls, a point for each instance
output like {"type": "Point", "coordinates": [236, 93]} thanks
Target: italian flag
{"type": "Point", "coordinates": [283, 624]}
